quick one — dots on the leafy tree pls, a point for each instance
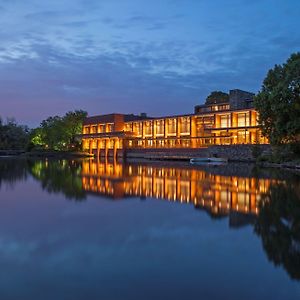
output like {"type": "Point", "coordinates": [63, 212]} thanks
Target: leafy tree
{"type": "Point", "coordinates": [13, 136]}
{"type": "Point", "coordinates": [53, 133]}
{"type": "Point", "coordinates": [217, 97]}
{"type": "Point", "coordinates": [278, 102]}
{"type": "Point", "coordinates": [73, 125]}
{"type": "Point", "coordinates": [59, 133]}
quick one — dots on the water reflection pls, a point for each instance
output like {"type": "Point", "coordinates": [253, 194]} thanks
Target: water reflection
{"type": "Point", "coordinates": [217, 194]}
{"type": "Point", "coordinates": [270, 201]}
{"type": "Point", "coordinates": [59, 176]}
{"type": "Point", "coordinates": [278, 225]}
{"type": "Point", "coordinates": [12, 170]}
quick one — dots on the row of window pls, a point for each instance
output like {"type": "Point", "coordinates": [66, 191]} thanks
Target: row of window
{"type": "Point", "coordinates": [183, 124]}
{"type": "Point", "coordinates": [219, 107]}
{"type": "Point", "coordinates": [159, 126]}
{"type": "Point", "coordinates": [101, 128]}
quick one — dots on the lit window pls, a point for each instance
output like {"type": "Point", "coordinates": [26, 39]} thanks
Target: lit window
{"type": "Point", "coordinates": [225, 121]}
{"type": "Point", "coordinates": [185, 125]}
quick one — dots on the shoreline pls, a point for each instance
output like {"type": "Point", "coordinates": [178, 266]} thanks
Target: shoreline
{"type": "Point", "coordinates": [77, 155]}
{"type": "Point", "coordinates": [44, 154]}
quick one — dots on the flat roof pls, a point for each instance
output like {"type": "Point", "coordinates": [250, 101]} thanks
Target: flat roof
{"type": "Point", "coordinates": [110, 118]}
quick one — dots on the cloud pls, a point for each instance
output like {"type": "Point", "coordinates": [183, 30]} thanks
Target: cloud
{"type": "Point", "coordinates": [139, 57]}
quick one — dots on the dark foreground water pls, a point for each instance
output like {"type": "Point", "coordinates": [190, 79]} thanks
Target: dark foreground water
{"type": "Point", "coordinates": [88, 230]}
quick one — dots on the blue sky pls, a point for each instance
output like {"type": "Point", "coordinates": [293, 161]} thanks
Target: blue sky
{"type": "Point", "coordinates": [160, 56]}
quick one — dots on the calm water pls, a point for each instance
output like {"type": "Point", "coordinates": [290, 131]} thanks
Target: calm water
{"type": "Point", "coordinates": [88, 230]}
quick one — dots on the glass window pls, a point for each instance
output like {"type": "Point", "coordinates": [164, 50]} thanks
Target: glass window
{"type": "Point", "coordinates": [160, 124]}
{"type": "Point", "coordinates": [225, 121]}
{"type": "Point", "coordinates": [101, 128]}
{"type": "Point", "coordinates": [243, 119]}
{"type": "Point", "coordinates": [172, 126]}
{"type": "Point", "coordinates": [109, 127]}
{"type": "Point", "coordinates": [128, 127]}
{"type": "Point", "coordinates": [148, 127]}
{"type": "Point", "coordinates": [137, 128]}
{"type": "Point", "coordinates": [185, 125]}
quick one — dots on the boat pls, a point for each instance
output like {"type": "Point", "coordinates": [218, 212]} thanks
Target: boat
{"type": "Point", "coordinates": [208, 160]}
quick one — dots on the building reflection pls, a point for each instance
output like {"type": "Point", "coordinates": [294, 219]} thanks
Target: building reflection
{"type": "Point", "coordinates": [218, 194]}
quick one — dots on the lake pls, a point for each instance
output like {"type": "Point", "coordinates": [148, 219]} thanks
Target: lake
{"type": "Point", "coordinates": [85, 229]}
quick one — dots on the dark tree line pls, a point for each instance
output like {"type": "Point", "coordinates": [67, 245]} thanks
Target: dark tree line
{"type": "Point", "coordinates": [54, 133]}
{"type": "Point", "coordinates": [13, 136]}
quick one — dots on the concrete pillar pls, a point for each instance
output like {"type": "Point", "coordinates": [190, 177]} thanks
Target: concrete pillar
{"type": "Point", "coordinates": [98, 148]}
{"type": "Point", "coordinates": [115, 149]}
{"type": "Point", "coordinates": [177, 132]}
{"type": "Point", "coordinates": [106, 141]}
{"type": "Point", "coordinates": [91, 146]}
{"type": "Point", "coordinates": [166, 132]}
{"type": "Point", "coordinates": [154, 134]}
{"type": "Point", "coordinates": [193, 132]}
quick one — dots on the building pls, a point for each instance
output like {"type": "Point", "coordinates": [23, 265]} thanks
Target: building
{"type": "Point", "coordinates": [219, 122]}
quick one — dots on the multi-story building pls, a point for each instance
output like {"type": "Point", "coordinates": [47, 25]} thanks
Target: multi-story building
{"type": "Point", "coordinates": [229, 122]}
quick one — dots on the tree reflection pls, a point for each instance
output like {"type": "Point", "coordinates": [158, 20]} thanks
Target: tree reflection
{"type": "Point", "coordinates": [59, 176]}
{"type": "Point", "coordinates": [12, 170]}
{"type": "Point", "coordinates": [278, 225]}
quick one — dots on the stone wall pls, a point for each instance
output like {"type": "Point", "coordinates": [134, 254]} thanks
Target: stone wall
{"type": "Point", "coordinates": [231, 152]}
{"type": "Point", "coordinates": [237, 152]}
{"type": "Point", "coordinates": [240, 99]}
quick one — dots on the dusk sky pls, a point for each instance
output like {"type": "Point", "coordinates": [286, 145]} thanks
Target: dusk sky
{"type": "Point", "coordinates": [131, 56]}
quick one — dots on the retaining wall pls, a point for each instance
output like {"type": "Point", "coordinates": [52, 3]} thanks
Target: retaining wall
{"type": "Point", "coordinates": [231, 152]}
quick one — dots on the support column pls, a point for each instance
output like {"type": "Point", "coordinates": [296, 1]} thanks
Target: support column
{"type": "Point", "coordinates": [154, 134]}
{"type": "Point", "coordinates": [177, 141]}
{"type": "Point", "coordinates": [166, 133]}
{"type": "Point", "coordinates": [91, 146]}
{"type": "Point", "coordinates": [106, 141]}
{"type": "Point", "coordinates": [193, 132]}
{"type": "Point", "coordinates": [98, 148]}
{"type": "Point", "coordinates": [115, 149]}
{"type": "Point", "coordinates": [143, 131]}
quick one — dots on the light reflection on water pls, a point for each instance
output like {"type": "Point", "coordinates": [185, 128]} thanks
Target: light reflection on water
{"type": "Point", "coordinates": [101, 246]}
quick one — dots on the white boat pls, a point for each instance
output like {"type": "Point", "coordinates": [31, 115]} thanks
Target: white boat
{"type": "Point", "coordinates": [203, 160]}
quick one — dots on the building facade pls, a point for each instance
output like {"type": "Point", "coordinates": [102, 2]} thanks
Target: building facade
{"type": "Point", "coordinates": [229, 122]}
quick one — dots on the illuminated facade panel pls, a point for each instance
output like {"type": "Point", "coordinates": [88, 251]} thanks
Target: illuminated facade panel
{"type": "Point", "coordinates": [229, 123]}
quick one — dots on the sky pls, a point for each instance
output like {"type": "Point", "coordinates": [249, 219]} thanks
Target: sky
{"type": "Point", "coordinates": [162, 57]}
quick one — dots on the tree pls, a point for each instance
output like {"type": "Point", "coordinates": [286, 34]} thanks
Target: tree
{"type": "Point", "coordinates": [13, 136]}
{"type": "Point", "coordinates": [53, 133]}
{"type": "Point", "coordinates": [217, 97]}
{"type": "Point", "coordinates": [278, 103]}
{"type": "Point", "coordinates": [59, 133]}
{"type": "Point", "coordinates": [73, 125]}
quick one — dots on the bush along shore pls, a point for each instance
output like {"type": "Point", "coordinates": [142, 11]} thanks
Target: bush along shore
{"type": "Point", "coordinates": [44, 154]}
{"type": "Point", "coordinates": [280, 156]}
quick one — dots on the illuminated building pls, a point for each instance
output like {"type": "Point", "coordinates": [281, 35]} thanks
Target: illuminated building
{"type": "Point", "coordinates": [214, 123]}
